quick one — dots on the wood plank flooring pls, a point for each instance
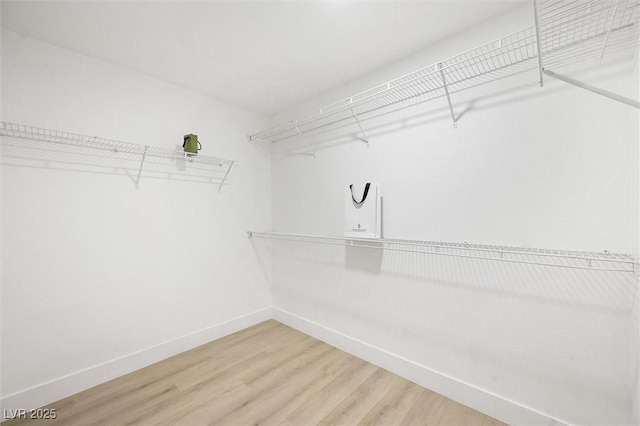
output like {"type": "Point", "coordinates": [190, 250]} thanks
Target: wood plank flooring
{"type": "Point", "coordinates": [266, 374]}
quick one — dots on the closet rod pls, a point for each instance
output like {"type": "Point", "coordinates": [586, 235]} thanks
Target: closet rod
{"type": "Point", "coordinates": [591, 261]}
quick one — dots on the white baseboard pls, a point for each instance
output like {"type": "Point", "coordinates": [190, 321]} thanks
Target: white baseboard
{"type": "Point", "coordinates": [477, 398]}
{"type": "Point", "coordinates": [496, 406]}
{"type": "Point", "coordinates": [61, 387]}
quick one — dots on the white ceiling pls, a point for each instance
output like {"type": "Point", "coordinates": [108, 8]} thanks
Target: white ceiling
{"type": "Point", "coordinates": [263, 56]}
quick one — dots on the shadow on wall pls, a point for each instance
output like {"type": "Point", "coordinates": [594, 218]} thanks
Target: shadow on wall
{"type": "Point", "coordinates": [611, 293]}
{"type": "Point", "coordinates": [365, 259]}
{"type": "Point", "coordinates": [368, 258]}
{"type": "Point", "coordinates": [263, 249]}
{"type": "Point", "coordinates": [473, 346]}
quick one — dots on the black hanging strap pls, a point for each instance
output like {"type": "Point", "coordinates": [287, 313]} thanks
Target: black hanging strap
{"type": "Point", "coordinates": [364, 196]}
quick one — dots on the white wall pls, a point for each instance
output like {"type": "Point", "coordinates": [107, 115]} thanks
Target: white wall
{"type": "Point", "coordinates": [99, 279]}
{"type": "Point", "coordinates": [555, 167]}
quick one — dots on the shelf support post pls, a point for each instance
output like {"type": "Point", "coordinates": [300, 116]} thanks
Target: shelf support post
{"type": "Point", "coordinates": [538, 44]}
{"type": "Point", "coordinates": [225, 176]}
{"type": "Point", "coordinates": [144, 155]}
{"type": "Point", "coordinates": [446, 91]}
{"type": "Point", "coordinates": [364, 135]}
{"type": "Point", "coordinates": [594, 89]}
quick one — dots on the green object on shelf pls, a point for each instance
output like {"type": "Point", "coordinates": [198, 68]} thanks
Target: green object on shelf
{"type": "Point", "coordinates": [191, 145]}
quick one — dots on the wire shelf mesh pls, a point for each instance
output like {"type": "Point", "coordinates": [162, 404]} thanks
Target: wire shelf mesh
{"type": "Point", "coordinates": [577, 34]}
{"type": "Point", "coordinates": [29, 143]}
{"type": "Point", "coordinates": [593, 261]}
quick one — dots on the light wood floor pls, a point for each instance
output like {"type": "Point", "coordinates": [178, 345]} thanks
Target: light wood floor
{"type": "Point", "coordinates": [266, 374]}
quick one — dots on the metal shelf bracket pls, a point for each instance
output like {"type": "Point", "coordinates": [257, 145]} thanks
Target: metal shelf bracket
{"type": "Point", "coordinates": [225, 176]}
{"type": "Point", "coordinates": [144, 155]}
{"type": "Point", "coordinates": [446, 91]}
{"type": "Point", "coordinates": [364, 135]}
{"type": "Point", "coordinates": [538, 44]}
{"type": "Point", "coordinates": [594, 89]}
{"type": "Point", "coordinates": [575, 36]}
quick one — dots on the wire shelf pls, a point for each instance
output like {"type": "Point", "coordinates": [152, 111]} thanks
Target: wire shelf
{"type": "Point", "coordinates": [577, 34]}
{"type": "Point", "coordinates": [509, 55]}
{"type": "Point", "coordinates": [593, 261]}
{"type": "Point", "coordinates": [569, 32]}
{"type": "Point", "coordinates": [23, 141]}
